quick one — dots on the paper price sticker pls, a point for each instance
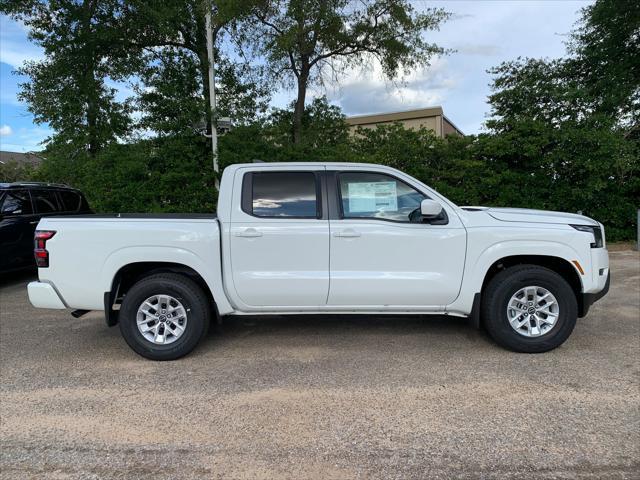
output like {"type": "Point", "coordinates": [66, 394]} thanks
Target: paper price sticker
{"type": "Point", "coordinates": [372, 197]}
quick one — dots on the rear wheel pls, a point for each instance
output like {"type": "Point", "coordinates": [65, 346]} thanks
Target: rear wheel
{"type": "Point", "coordinates": [529, 309]}
{"type": "Point", "coordinates": [164, 316]}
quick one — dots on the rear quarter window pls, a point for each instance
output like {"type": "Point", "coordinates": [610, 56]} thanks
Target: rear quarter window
{"type": "Point", "coordinates": [45, 201]}
{"type": "Point", "coordinates": [71, 201]}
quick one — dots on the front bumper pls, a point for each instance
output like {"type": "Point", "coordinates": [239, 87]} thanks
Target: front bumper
{"type": "Point", "coordinates": [43, 295]}
{"type": "Point", "coordinates": [589, 299]}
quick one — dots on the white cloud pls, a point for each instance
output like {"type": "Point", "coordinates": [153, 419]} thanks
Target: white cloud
{"type": "Point", "coordinates": [5, 131]}
{"type": "Point", "coordinates": [476, 49]}
{"type": "Point", "coordinates": [367, 91]}
{"type": "Point", "coordinates": [483, 34]}
{"type": "Point", "coordinates": [26, 139]}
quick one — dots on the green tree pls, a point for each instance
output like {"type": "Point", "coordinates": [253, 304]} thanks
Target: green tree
{"type": "Point", "coordinates": [605, 57]}
{"type": "Point", "coordinates": [561, 131]}
{"type": "Point", "coordinates": [322, 124]}
{"type": "Point", "coordinates": [69, 89]}
{"type": "Point", "coordinates": [534, 90]}
{"type": "Point", "coordinates": [91, 44]}
{"type": "Point", "coordinates": [172, 96]}
{"type": "Point", "coordinates": [303, 41]}
{"type": "Point", "coordinates": [174, 75]}
{"type": "Point", "coordinates": [325, 138]}
{"type": "Point", "coordinates": [16, 172]}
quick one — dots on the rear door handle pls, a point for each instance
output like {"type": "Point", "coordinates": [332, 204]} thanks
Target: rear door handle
{"type": "Point", "coordinates": [35, 223]}
{"type": "Point", "coordinates": [348, 233]}
{"type": "Point", "coordinates": [248, 233]}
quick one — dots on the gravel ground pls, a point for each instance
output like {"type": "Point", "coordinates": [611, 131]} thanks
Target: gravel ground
{"type": "Point", "coordinates": [313, 397]}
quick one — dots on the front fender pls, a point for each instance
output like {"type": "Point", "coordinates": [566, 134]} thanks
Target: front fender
{"type": "Point", "coordinates": [484, 257]}
{"type": "Point", "coordinates": [509, 248]}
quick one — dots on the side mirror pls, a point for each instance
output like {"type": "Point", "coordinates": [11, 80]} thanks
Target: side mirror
{"type": "Point", "coordinates": [430, 208]}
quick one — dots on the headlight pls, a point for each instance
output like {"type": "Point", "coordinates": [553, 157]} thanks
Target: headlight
{"type": "Point", "coordinates": [595, 230]}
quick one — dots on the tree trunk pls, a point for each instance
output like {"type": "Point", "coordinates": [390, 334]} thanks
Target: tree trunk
{"type": "Point", "coordinates": [91, 86]}
{"type": "Point", "coordinates": [92, 126]}
{"type": "Point", "coordinates": [298, 111]}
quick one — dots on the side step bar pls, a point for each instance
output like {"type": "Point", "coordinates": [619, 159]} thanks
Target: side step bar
{"type": "Point", "coordinates": [79, 313]}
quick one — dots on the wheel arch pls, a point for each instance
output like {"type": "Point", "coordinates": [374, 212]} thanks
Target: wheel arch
{"type": "Point", "coordinates": [131, 273]}
{"type": "Point", "coordinates": [562, 267]}
{"type": "Point", "coordinates": [559, 265]}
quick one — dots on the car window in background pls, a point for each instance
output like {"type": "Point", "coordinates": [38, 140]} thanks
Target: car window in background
{"type": "Point", "coordinates": [71, 200]}
{"type": "Point", "coordinates": [84, 205]}
{"type": "Point", "coordinates": [16, 202]}
{"type": "Point", "coordinates": [45, 201]}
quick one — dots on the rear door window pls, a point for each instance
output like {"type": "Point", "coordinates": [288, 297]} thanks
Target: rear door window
{"type": "Point", "coordinates": [45, 201]}
{"type": "Point", "coordinates": [16, 202]}
{"type": "Point", "coordinates": [284, 195]}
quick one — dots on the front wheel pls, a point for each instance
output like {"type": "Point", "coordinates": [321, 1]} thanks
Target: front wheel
{"type": "Point", "coordinates": [164, 316]}
{"type": "Point", "coordinates": [529, 309]}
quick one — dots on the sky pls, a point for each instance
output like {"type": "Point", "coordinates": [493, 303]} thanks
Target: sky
{"type": "Point", "coordinates": [482, 33]}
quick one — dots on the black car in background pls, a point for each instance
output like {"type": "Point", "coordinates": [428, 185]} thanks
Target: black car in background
{"type": "Point", "coordinates": [22, 205]}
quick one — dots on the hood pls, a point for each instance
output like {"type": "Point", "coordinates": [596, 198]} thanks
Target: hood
{"type": "Point", "coordinates": [533, 216]}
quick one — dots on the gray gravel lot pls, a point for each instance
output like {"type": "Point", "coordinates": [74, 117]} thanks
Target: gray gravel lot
{"type": "Point", "coordinates": [321, 397]}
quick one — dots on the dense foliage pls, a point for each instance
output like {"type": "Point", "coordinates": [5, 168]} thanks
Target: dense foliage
{"type": "Point", "coordinates": [576, 168]}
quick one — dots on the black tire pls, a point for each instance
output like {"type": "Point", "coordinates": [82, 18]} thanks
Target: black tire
{"type": "Point", "coordinates": [183, 289]}
{"type": "Point", "coordinates": [504, 285]}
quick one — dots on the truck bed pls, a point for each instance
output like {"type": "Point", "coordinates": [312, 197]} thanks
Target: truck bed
{"type": "Point", "coordinates": [151, 216]}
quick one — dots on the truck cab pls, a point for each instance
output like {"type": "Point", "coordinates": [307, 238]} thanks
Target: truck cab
{"type": "Point", "coordinates": [339, 238]}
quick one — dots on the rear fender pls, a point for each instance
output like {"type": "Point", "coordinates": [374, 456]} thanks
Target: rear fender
{"type": "Point", "coordinates": [209, 269]}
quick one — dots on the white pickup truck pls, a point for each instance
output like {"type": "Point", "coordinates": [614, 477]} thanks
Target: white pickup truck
{"type": "Point", "coordinates": [324, 238]}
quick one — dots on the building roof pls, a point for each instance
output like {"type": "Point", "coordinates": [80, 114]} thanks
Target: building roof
{"type": "Point", "coordinates": [28, 158]}
{"type": "Point", "coordinates": [402, 116]}
{"type": "Point", "coordinates": [395, 116]}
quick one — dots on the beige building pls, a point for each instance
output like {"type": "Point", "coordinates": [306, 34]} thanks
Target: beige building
{"type": "Point", "coordinates": [432, 118]}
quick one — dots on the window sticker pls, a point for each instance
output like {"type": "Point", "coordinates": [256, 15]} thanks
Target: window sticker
{"type": "Point", "coordinates": [372, 197]}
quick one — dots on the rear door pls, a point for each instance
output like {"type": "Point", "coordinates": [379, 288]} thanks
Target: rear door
{"type": "Point", "coordinates": [17, 226]}
{"type": "Point", "coordinates": [383, 254]}
{"type": "Point", "coordinates": [279, 239]}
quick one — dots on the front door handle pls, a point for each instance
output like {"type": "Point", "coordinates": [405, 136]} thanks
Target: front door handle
{"type": "Point", "coordinates": [347, 233]}
{"type": "Point", "coordinates": [35, 223]}
{"type": "Point", "coordinates": [248, 233]}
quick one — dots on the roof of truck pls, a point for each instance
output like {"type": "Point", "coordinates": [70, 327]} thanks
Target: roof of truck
{"type": "Point", "coordinates": [306, 164]}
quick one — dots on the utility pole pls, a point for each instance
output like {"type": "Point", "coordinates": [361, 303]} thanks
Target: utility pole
{"type": "Point", "coordinates": [212, 93]}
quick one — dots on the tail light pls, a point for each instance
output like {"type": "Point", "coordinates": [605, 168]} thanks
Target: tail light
{"type": "Point", "coordinates": [40, 251]}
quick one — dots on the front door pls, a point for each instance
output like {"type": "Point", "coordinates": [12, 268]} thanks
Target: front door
{"type": "Point", "coordinates": [279, 240]}
{"type": "Point", "coordinates": [383, 255]}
